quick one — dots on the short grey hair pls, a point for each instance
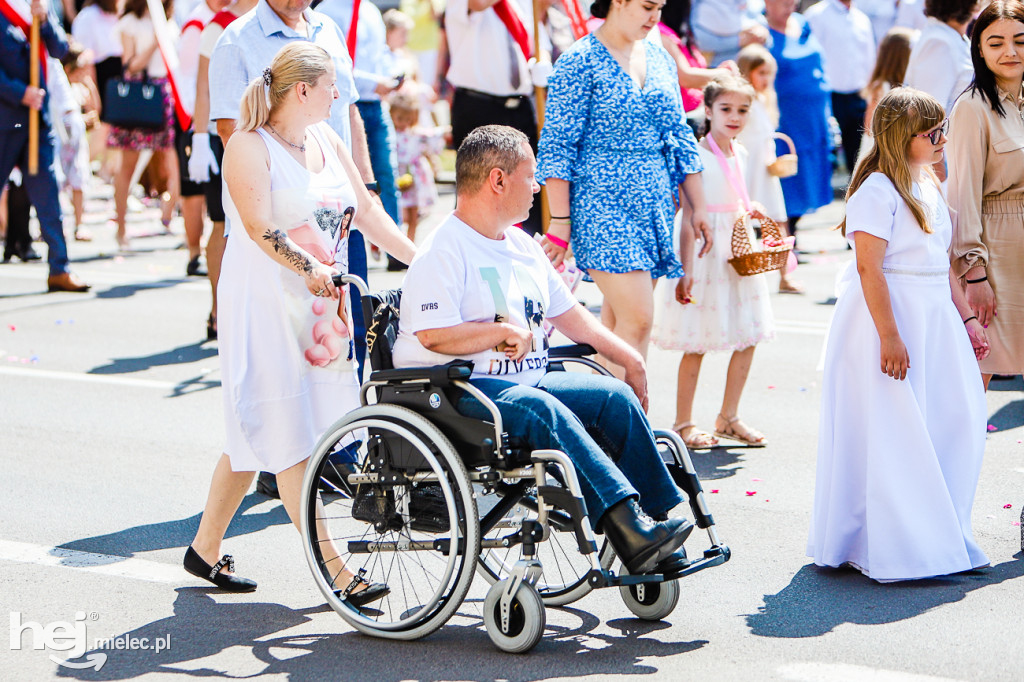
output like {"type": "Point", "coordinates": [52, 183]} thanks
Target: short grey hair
{"type": "Point", "coordinates": [487, 148]}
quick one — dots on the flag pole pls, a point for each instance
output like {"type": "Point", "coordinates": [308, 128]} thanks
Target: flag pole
{"type": "Point", "coordinates": [540, 96]}
{"type": "Point", "coordinates": [33, 114]}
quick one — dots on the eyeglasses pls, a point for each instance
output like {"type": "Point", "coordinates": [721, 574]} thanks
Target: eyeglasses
{"type": "Point", "coordinates": [935, 135]}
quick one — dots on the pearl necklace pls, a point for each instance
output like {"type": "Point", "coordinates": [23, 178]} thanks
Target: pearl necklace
{"type": "Point", "coordinates": [300, 147]}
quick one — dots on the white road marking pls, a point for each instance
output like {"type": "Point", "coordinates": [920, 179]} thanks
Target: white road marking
{"type": "Point", "coordinates": [107, 564]}
{"type": "Point", "coordinates": [111, 380]}
{"type": "Point", "coordinates": [845, 672]}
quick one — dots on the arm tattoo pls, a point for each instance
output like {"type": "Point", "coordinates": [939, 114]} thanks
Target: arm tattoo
{"type": "Point", "coordinates": [279, 241]}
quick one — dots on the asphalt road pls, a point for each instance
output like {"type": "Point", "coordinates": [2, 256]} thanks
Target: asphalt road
{"type": "Point", "coordinates": [110, 425]}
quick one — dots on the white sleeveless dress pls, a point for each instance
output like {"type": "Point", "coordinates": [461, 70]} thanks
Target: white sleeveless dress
{"type": "Point", "coordinates": [898, 461]}
{"type": "Point", "coordinates": [287, 363]}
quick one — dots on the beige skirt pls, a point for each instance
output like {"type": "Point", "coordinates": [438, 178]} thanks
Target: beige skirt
{"type": "Point", "coordinates": [1003, 234]}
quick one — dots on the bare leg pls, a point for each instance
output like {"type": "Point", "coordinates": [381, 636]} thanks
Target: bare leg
{"type": "Point", "coordinates": [629, 296]}
{"type": "Point", "coordinates": [786, 285]}
{"type": "Point", "coordinates": [122, 187]}
{"type": "Point", "coordinates": [226, 492]}
{"type": "Point", "coordinates": [686, 390]}
{"type": "Point", "coordinates": [214, 255]}
{"type": "Point", "coordinates": [192, 212]}
{"type": "Point", "coordinates": [986, 378]}
{"type": "Point", "coordinates": [168, 160]}
{"type": "Point", "coordinates": [78, 202]}
{"type": "Point", "coordinates": [411, 216]}
{"type": "Point", "coordinates": [735, 380]}
{"type": "Point", "coordinates": [289, 483]}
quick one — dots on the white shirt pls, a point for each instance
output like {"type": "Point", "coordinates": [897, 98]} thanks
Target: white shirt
{"type": "Point", "coordinates": [482, 49]}
{"type": "Point", "coordinates": [848, 42]}
{"type": "Point", "coordinates": [143, 34]}
{"type": "Point", "coordinates": [188, 53]}
{"type": "Point", "coordinates": [96, 31]}
{"type": "Point", "coordinates": [940, 63]}
{"type": "Point", "coordinates": [373, 60]}
{"type": "Point", "coordinates": [882, 14]}
{"type": "Point", "coordinates": [459, 275]}
{"type": "Point", "coordinates": [910, 14]}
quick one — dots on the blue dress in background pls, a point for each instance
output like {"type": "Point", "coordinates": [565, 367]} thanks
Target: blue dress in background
{"type": "Point", "coordinates": [624, 150]}
{"type": "Point", "coordinates": [804, 110]}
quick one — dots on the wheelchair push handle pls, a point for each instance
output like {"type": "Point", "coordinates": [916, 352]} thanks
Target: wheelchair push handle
{"type": "Point", "coordinates": [340, 280]}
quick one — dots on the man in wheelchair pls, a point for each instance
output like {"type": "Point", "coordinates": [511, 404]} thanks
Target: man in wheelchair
{"type": "Point", "coordinates": [480, 291]}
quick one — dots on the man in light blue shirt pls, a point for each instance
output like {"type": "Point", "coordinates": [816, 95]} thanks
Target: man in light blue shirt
{"type": "Point", "coordinates": [374, 79]}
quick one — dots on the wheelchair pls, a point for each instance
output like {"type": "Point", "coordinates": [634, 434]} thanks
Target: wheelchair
{"type": "Point", "coordinates": [408, 492]}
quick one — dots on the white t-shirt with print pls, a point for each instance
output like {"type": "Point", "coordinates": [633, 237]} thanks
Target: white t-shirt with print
{"type": "Point", "coordinates": [459, 275]}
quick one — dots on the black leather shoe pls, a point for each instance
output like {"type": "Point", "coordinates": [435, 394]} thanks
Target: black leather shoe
{"type": "Point", "coordinates": [673, 563]}
{"type": "Point", "coordinates": [194, 269]}
{"type": "Point", "coordinates": [267, 485]}
{"type": "Point", "coordinates": [195, 565]}
{"type": "Point", "coordinates": [371, 593]}
{"type": "Point", "coordinates": [639, 541]}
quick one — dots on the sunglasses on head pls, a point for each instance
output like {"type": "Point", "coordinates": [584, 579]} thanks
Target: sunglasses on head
{"type": "Point", "coordinates": [935, 135]}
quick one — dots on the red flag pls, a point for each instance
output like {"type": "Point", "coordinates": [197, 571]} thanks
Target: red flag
{"type": "Point", "coordinates": [576, 20]}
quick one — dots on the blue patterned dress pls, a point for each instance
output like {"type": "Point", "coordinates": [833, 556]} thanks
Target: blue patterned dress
{"type": "Point", "coordinates": [624, 150]}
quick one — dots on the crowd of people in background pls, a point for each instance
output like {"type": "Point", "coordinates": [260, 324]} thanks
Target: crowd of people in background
{"type": "Point", "coordinates": [664, 124]}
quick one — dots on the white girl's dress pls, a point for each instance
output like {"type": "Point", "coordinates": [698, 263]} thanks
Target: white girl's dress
{"type": "Point", "coordinates": [730, 312]}
{"type": "Point", "coordinates": [762, 186]}
{"type": "Point", "coordinates": [286, 356]}
{"type": "Point", "coordinates": [898, 461]}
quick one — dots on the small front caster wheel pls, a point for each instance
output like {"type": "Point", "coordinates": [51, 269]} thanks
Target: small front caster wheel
{"type": "Point", "coordinates": [651, 601]}
{"type": "Point", "coordinates": [523, 625]}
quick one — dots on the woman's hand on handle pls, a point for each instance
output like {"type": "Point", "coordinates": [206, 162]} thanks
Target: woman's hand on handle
{"type": "Point", "coordinates": [895, 359]}
{"type": "Point", "coordinates": [554, 252]}
{"type": "Point", "coordinates": [320, 280]}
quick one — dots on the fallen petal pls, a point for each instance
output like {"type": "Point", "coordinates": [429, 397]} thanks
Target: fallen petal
{"type": "Point", "coordinates": [991, 428]}
{"type": "Point", "coordinates": [1007, 506]}
{"type": "Point", "coordinates": [715, 491]}
{"type": "Point", "coordinates": [751, 493]}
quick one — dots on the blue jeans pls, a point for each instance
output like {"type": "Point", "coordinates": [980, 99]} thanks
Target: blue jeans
{"type": "Point", "coordinates": [380, 141]}
{"type": "Point", "coordinates": [595, 420]}
{"type": "Point", "coordinates": [357, 266]}
{"type": "Point", "coordinates": [41, 188]}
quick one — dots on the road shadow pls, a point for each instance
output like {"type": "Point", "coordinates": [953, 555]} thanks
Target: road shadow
{"type": "Point", "coordinates": [128, 290]}
{"type": "Point", "coordinates": [1000, 385]}
{"type": "Point", "coordinates": [181, 355]}
{"type": "Point", "coordinates": [179, 533]}
{"type": "Point", "coordinates": [718, 462]}
{"type": "Point", "coordinates": [201, 628]}
{"type": "Point", "coordinates": [817, 599]}
{"type": "Point", "coordinates": [1009, 416]}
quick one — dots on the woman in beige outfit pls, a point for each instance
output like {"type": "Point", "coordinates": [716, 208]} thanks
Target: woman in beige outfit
{"type": "Point", "coordinates": [986, 185]}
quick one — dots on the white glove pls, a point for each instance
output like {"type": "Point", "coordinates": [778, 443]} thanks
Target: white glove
{"type": "Point", "coordinates": [539, 73]}
{"type": "Point", "coordinates": [201, 161]}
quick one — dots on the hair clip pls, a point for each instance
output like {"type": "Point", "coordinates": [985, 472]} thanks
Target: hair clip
{"type": "Point", "coordinates": [266, 76]}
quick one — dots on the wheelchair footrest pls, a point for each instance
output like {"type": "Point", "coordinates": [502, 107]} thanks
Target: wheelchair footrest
{"type": "Point", "coordinates": [716, 556]}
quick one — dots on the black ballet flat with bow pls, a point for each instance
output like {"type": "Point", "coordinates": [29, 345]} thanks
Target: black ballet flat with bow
{"type": "Point", "coordinates": [195, 565]}
{"type": "Point", "coordinates": [371, 593]}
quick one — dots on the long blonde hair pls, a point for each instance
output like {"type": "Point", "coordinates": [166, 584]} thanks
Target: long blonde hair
{"type": "Point", "coordinates": [900, 114]}
{"type": "Point", "coordinates": [298, 62]}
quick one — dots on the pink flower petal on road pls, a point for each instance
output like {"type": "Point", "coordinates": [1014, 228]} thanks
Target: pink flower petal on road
{"type": "Point", "coordinates": [751, 493]}
{"type": "Point", "coordinates": [992, 428]}
{"type": "Point", "coordinates": [770, 387]}
{"type": "Point", "coordinates": [1007, 506]}
{"type": "Point", "coordinates": [755, 479]}
{"type": "Point", "coordinates": [714, 491]}
{"type": "Point", "coordinates": [12, 327]}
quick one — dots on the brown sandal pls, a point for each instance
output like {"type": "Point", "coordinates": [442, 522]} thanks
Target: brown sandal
{"type": "Point", "coordinates": [749, 436]}
{"type": "Point", "coordinates": [698, 439]}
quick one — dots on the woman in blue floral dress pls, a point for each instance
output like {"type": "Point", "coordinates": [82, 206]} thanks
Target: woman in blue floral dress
{"type": "Point", "coordinates": [615, 153]}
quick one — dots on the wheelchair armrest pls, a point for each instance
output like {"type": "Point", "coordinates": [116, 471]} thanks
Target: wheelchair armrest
{"type": "Point", "coordinates": [438, 375]}
{"type": "Point", "coordinates": [578, 350]}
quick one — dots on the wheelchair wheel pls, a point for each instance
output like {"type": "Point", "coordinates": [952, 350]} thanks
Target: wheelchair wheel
{"type": "Point", "coordinates": [565, 570]}
{"type": "Point", "coordinates": [651, 601]}
{"type": "Point", "coordinates": [526, 618]}
{"type": "Point", "coordinates": [386, 493]}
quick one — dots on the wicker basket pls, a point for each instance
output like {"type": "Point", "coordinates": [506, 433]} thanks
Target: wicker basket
{"type": "Point", "coordinates": [749, 261]}
{"type": "Point", "coordinates": [786, 165]}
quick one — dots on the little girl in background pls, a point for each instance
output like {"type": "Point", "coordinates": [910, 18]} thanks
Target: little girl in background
{"type": "Point", "coordinates": [416, 148]}
{"type": "Point", "coordinates": [758, 66]}
{"type": "Point", "coordinates": [80, 112]}
{"type": "Point", "coordinates": [903, 412]}
{"type": "Point", "coordinates": [712, 308]}
{"type": "Point", "coordinates": [890, 69]}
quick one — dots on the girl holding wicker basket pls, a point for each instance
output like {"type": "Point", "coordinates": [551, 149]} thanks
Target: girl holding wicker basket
{"type": "Point", "coordinates": [712, 307]}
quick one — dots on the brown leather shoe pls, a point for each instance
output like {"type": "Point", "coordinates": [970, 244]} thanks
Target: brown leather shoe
{"type": "Point", "coordinates": [66, 281]}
